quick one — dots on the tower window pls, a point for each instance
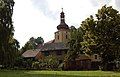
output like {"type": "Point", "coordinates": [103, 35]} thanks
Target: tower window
{"type": "Point", "coordinates": [95, 56]}
{"type": "Point", "coordinates": [58, 37]}
{"type": "Point", "coordinates": [66, 37]}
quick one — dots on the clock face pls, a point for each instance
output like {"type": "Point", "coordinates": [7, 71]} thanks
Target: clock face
{"type": "Point", "coordinates": [62, 18]}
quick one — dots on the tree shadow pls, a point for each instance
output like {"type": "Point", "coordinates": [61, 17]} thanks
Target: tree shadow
{"type": "Point", "coordinates": [53, 75]}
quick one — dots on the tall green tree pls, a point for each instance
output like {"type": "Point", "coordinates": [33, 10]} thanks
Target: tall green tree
{"type": "Point", "coordinates": [75, 48]}
{"type": "Point", "coordinates": [89, 38]}
{"type": "Point", "coordinates": [102, 36]}
{"type": "Point", "coordinates": [8, 45]}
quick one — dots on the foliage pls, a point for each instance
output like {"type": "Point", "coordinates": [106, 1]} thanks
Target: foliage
{"type": "Point", "coordinates": [48, 63]}
{"type": "Point", "coordinates": [39, 40]}
{"type": "Point", "coordinates": [32, 44]}
{"type": "Point", "coordinates": [8, 45]}
{"type": "Point", "coordinates": [74, 43]}
{"type": "Point", "coordinates": [102, 36]}
{"type": "Point", "coordinates": [75, 48]}
{"type": "Point", "coordinates": [23, 63]}
{"type": "Point", "coordinates": [27, 46]}
{"type": "Point", "coordinates": [89, 38]}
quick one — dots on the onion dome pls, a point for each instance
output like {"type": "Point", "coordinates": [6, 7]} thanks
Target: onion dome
{"type": "Point", "coordinates": [62, 24]}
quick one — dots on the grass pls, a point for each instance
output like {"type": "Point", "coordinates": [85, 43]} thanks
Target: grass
{"type": "Point", "coordinates": [29, 73]}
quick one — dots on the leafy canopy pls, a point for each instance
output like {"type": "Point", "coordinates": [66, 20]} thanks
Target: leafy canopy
{"type": "Point", "coordinates": [102, 34]}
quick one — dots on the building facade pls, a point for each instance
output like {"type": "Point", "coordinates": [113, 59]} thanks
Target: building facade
{"type": "Point", "coordinates": [63, 34]}
{"type": "Point", "coordinates": [57, 47]}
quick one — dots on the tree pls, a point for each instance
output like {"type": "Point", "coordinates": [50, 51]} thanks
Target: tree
{"type": "Point", "coordinates": [8, 45]}
{"type": "Point", "coordinates": [89, 38]}
{"type": "Point", "coordinates": [49, 63]}
{"type": "Point", "coordinates": [74, 44]}
{"type": "Point", "coordinates": [32, 43]}
{"type": "Point", "coordinates": [39, 40]}
{"type": "Point", "coordinates": [102, 36]}
{"type": "Point", "coordinates": [26, 47]}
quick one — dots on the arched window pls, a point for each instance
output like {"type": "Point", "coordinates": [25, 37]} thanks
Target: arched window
{"type": "Point", "coordinates": [95, 56]}
{"type": "Point", "coordinates": [58, 37]}
{"type": "Point", "coordinates": [66, 37]}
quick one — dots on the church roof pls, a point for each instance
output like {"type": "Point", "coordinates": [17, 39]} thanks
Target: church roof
{"type": "Point", "coordinates": [30, 53]}
{"type": "Point", "coordinates": [62, 24]}
{"type": "Point", "coordinates": [53, 46]}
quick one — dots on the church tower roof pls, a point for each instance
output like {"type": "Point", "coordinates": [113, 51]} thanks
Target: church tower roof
{"type": "Point", "coordinates": [62, 24]}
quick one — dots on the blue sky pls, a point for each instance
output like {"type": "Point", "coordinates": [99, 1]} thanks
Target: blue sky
{"type": "Point", "coordinates": [34, 18]}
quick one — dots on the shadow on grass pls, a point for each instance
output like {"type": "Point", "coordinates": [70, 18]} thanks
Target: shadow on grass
{"type": "Point", "coordinates": [56, 75]}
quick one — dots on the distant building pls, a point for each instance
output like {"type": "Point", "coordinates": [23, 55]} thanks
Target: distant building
{"type": "Point", "coordinates": [57, 47]}
{"type": "Point", "coordinates": [63, 34]}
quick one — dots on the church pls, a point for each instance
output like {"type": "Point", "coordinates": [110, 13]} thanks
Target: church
{"type": "Point", "coordinates": [57, 47]}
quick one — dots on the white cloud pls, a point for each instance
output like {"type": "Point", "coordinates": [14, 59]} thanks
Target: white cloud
{"type": "Point", "coordinates": [30, 22]}
{"type": "Point", "coordinates": [41, 17]}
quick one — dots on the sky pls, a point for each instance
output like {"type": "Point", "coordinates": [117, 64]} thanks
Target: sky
{"type": "Point", "coordinates": [35, 18]}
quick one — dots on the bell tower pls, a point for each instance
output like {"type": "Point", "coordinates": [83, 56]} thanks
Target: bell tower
{"type": "Point", "coordinates": [62, 35]}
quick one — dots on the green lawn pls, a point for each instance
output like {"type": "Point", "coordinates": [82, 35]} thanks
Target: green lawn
{"type": "Point", "coordinates": [21, 73]}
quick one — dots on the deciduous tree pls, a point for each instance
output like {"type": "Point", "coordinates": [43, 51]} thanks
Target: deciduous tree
{"type": "Point", "coordinates": [32, 43]}
{"type": "Point", "coordinates": [102, 36]}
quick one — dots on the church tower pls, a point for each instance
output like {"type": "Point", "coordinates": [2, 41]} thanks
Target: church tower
{"type": "Point", "coordinates": [62, 35]}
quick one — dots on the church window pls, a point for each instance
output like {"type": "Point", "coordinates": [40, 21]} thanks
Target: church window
{"type": "Point", "coordinates": [46, 53]}
{"type": "Point", "coordinates": [59, 52]}
{"type": "Point", "coordinates": [66, 37]}
{"type": "Point", "coordinates": [58, 37]}
{"type": "Point", "coordinates": [95, 56]}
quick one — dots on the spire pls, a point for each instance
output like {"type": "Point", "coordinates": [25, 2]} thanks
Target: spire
{"type": "Point", "coordinates": [62, 24]}
{"type": "Point", "coordinates": [62, 16]}
{"type": "Point", "coordinates": [62, 9]}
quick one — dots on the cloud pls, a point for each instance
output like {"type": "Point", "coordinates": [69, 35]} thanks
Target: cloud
{"type": "Point", "coordinates": [117, 2]}
{"type": "Point", "coordinates": [30, 22]}
{"type": "Point", "coordinates": [45, 7]}
{"type": "Point", "coordinates": [94, 3]}
{"type": "Point", "coordinates": [34, 18]}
